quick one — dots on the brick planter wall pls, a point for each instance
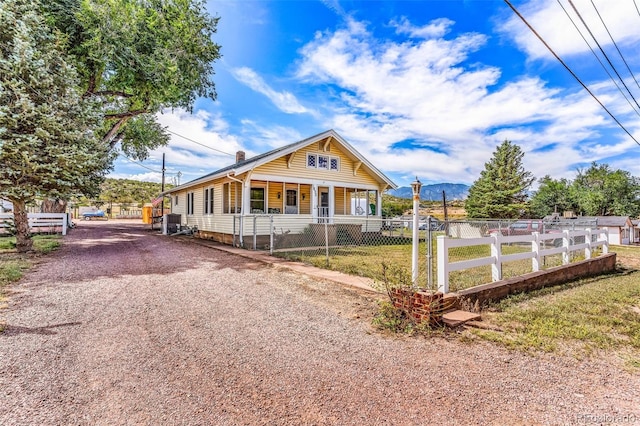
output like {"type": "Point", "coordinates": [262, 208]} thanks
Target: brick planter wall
{"type": "Point", "coordinates": [420, 306]}
{"type": "Point", "coordinates": [481, 294]}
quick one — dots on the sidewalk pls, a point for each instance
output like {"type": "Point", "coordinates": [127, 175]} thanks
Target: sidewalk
{"type": "Point", "coordinates": [361, 283]}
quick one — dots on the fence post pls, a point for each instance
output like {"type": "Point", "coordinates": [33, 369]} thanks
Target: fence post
{"type": "Point", "coordinates": [443, 263]}
{"type": "Point", "coordinates": [233, 243]}
{"type": "Point", "coordinates": [605, 245]}
{"type": "Point", "coordinates": [326, 241]}
{"type": "Point", "coordinates": [255, 232]}
{"type": "Point", "coordinates": [587, 250]}
{"type": "Point", "coordinates": [429, 254]}
{"type": "Point", "coordinates": [65, 221]}
{"type": "Point", "coordinates": [271, 235]}
{"type": "Point", "coordinates": [566, 240]}
{"type": "Point", "coordinates": [535, 247]}
{"type": "Point", "coordinates": [496, 248]}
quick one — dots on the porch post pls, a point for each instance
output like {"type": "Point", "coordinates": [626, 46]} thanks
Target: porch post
{"type": "Point", "coordinates": [379, 203]}
{"type": "Point", "coordinates": [332, 201]}
{"type": "Point", "coordinates": [314, 202]}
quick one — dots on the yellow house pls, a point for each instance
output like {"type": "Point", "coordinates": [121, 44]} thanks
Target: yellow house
{"type": "Point", "coordinates": [321, 179]}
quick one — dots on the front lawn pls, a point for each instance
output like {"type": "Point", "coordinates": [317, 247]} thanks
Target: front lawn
{"type": "Point", "coordinates": [582, 317]}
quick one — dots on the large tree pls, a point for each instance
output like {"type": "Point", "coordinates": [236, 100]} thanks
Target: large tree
{"type": "Point", "coordinates": [602, 191]}
{"type": "Point", "coordinates": [48, 146]}
{"type": "Point", "coordinates": [552, 196]}
{"type": "Point", "coordinates": [501, 190]}
{"type": "Point", "coordinates": [137, 58]}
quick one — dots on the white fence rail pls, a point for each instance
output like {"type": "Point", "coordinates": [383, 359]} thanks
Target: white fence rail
{"type": "Point", "coordinates": [591, 239]}
{"type": "Point", "coordinates": [40, 222]}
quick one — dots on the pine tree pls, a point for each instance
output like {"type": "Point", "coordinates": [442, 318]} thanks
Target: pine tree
{"type": "Point", "coordinates": [501, 190]}
{"type": "Point", "coordinates": [47, 144]}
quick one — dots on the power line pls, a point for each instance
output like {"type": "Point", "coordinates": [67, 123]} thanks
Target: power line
{"type": "Point", "coordinates": [603, 53]}
{"type": "Point", "coordinates": [569, 69]}
{"type": "Point", "coordinates": [599, 60]}
{"type": "Point", "coordinates": [615, 44]}
{"type": "Point", "coordinates": [146, 167]}
{"type": "Point", "coordinates": [201, 144]}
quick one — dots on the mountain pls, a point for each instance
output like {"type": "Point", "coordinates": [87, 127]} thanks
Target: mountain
{"type": "Point", "coordinates": [453, 191]}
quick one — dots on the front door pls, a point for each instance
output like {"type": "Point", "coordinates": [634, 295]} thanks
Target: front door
{"type": "Point", "coordinates": [323, 208]}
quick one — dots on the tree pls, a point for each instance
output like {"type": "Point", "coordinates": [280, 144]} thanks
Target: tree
{"type": "Point", "coordinates": [137, 58]}
{"type": "Point", "coordinates": [552, 196]}
{"type": "Point", "coordinates": [602, 191]}
{"type": "Point", "coordinates": [47, 144]}
{"type": "Point", "coordinates": [501, 190]}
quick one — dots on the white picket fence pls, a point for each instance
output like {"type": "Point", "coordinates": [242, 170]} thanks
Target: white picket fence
{"type": "Point", "coordinates": [40, 222]}
{"type": "Point", "coordinates": [592, 239]}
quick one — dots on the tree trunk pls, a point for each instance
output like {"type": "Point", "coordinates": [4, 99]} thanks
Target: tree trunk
{"type": "Point", "coordinates": [53, 206]}
{"type": "Point", "coordinates": [21, 221]}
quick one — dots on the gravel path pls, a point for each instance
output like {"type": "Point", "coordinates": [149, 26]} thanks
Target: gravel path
{"type": "Point", "coordinates": [123, 326]}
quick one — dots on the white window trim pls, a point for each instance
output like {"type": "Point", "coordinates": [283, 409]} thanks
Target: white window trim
{"type": "Point", "coordinates": [317, 162]}
{"type": "Point", "coordinates": [207, 206]}
{"type": "Point", "coordinates": [190, 202]}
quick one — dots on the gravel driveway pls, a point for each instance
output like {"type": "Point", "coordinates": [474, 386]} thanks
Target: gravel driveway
{"type": "Point", "coordinates": [124, 326]}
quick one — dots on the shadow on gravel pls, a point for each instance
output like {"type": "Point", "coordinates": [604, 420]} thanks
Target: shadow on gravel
{"type": "Point", "coordinates": [13, 330]}
{"type": "Point", "coordinates": [110, 249]}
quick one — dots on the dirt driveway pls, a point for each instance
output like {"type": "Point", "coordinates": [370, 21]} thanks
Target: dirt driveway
{"type": "Point", "coordinates": [124, 326]}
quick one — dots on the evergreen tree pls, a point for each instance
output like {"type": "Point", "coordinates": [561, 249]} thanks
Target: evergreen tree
{"type": "Point", "coordinates": [47, 144]}
{"type": "Point", "coordinates": [501, 190]}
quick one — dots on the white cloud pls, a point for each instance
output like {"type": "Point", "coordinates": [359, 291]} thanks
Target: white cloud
{"type": "Point", "coordinates": [425, 93]}
{"type": "Point", "coordinates": [553, 25]}
{"type": "Point", "coordinates": [285, 101]}
{"type": "Point", "coordinates": [435, 28]}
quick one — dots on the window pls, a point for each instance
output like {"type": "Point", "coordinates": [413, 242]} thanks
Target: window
{"type": "Point", "coordinates": [208, 201]}
{"type": "Point", "coordinates": [189, 203]}
{"type": "Point", "coordinates": [175, 200]}
{"type": "Point", "coordinates": [291, 202]}
{"type": "Point", "coordinates": [326, 162]}
{"type": "Point", "coordinates": [312, 161]}
{"type": "Point", "coordinates": [323, 162]}
{"type": "Point", "coordinates": [257, 200]}
{"type": "Point", "coordinates": [231, 196]}
{"type": "Point", "coordinates": [335, 164]}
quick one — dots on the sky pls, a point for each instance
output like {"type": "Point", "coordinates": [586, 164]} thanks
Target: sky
{"type": "Point", "coordinates": [420, 88]}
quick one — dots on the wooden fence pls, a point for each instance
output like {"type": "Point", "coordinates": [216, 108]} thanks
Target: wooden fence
{"type": "Point", "coordinates": [571, 241]}
{"type": "Point", "coordinates": [39, 222]}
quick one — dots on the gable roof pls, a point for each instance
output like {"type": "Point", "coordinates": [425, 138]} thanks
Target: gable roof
{"type": "Point", "coordinates": [620, 221]}
{"type": "Point", "coordinates": [258, 160]}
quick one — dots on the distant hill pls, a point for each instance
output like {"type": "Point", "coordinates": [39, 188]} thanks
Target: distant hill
{"type": "Point", "coordinates": [453, 191]}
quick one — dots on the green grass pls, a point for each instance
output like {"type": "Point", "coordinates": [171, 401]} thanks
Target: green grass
{"type": "Point", "coordinates": [366, 261]}
{"type": "Point", "coordinates": [580, 318]}
{"type": "Point", "coordinates": [42, 244]}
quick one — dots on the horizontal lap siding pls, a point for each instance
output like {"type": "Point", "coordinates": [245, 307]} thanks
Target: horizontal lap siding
{"type": "Point", "coordinates": [278, 167]}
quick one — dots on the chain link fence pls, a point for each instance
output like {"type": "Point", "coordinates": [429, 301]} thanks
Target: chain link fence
{"type": "Point", "coordinates": [360, 245]}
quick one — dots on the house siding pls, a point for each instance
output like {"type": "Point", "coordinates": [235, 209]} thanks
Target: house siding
{"type": "Point", "coordinates": [279, 167]}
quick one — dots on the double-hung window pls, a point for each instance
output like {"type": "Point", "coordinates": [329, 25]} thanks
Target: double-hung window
{"type": "Point", "coordinates": [208, 201]}
{"type": "Point", "coordinates": [189, 203]}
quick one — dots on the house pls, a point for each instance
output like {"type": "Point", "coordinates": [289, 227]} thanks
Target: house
{"type": "Point", "coordinates": [619, 227]}
{"type": "Point", "coordinates": [321, 179]}
{"type": "Point", "coordinates": [636, 231]}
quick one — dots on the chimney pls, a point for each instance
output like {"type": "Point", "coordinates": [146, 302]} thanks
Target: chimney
{"type": "Point", "coordinates": [239, 156]}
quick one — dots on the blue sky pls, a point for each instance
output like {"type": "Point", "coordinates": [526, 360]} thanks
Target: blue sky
{"type": "Point", "coordinates": [421, 88]}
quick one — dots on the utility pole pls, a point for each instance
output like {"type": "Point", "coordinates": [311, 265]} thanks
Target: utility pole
{"type": "Point", "coordinates": [163, 169]}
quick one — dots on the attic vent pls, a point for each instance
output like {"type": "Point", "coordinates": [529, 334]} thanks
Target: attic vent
{"type": "Point", "coordinates": [324, 146]}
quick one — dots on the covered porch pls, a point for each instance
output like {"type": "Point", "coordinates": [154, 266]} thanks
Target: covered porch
{"type": "Point", "coordinates": [319, 201]}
